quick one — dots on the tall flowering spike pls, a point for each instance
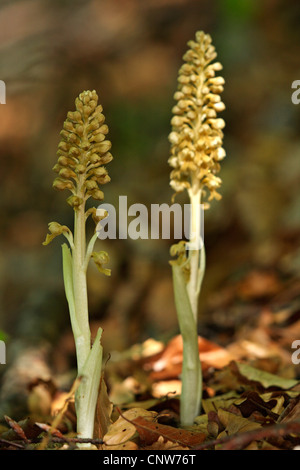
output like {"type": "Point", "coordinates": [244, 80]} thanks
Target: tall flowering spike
{"type": "Point", "coordinates": [196, 138]}
{"type": "Point", "coordinates": [83, 150]}
{"type": "Point", "coordinates": [82, 153]}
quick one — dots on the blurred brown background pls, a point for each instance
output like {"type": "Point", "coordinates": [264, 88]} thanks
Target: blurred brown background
{"type": "Point", "coordinates": [130, 51]}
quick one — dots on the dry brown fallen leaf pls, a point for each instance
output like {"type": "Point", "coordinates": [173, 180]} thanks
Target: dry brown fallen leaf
{"type": "Point", "coordinates": [103, 411]}
{"type": "Point", "coordinates": [168, 363]}
{"type": "Point", "coordinates": [235, 424]}
{"type": "Point", "coordinates": [16, 428]}
{"type": "Point", "coordinates": [49, 429]}
{"type": "Point", "coordinates": [123, 430]}
{"type": "Point", "coordinates": [150, 431]}
{"type": "Point", "coordinates": [293, 411]}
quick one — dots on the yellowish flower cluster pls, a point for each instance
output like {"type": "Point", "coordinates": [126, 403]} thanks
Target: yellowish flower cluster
{"type": "Point", "coordinates": [83, 150]}
{"type": "Point", "coordinates": [197, 138]}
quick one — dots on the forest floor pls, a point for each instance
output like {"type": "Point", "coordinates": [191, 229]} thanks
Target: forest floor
{"type": "Point", "coordinates": [251, 391]}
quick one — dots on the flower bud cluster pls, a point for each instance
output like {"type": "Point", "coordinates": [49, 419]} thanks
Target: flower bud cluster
{"type": "Point", "coordinates": [83, 150]}
{"type": "Point", "coordinates": [196, 138]}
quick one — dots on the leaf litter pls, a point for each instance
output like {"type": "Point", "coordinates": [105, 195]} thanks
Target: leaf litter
{"type": "Point", "coordinates": [251, 394]}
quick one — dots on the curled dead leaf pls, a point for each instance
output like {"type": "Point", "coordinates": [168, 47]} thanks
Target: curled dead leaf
{"type": "Point", "coordinates": [150, 431]}
{"type": "Point", "coordinates": [123, 430]}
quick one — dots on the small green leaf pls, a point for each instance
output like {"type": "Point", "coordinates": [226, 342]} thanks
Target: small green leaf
{"type": "Point", "coordinates": [68, 283]}
{"type": "Point", "coordinates": [265, 378]}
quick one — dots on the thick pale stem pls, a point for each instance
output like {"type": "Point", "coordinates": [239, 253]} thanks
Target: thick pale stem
{"type": "Point", "coordinates": [191, 376]}
{"type": "Point", "coordinates": [89, 369]}
{"type": "Point", "coordinates": [89, 359]}
{"type": "Point", "coordinates": [186, 299]}
{"type": "Point", "coordinates": [193, 285]}
{"type": "Point", "coordinates": [87, 393]}
{"type": "Point", "coordinates": [80, 285]}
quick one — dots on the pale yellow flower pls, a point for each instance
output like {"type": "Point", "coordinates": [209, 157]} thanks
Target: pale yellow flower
{"type": "Point", "coordinates": [196, 138]}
